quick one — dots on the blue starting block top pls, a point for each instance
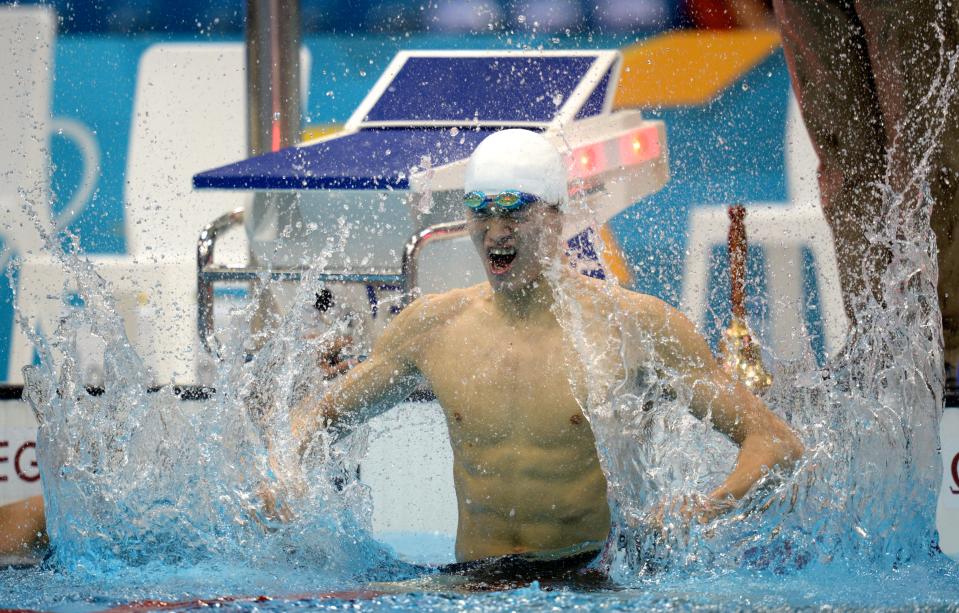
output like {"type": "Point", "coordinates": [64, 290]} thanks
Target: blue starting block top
{"type": "Point", "coordinates": [436, 106]}
{"type": "Point", "coordinates": [463, 89]}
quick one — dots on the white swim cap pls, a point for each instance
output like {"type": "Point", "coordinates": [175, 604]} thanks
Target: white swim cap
{"type": "Point", "coordinates": [521, 160]}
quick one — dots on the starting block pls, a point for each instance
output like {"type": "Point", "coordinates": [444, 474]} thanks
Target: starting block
{"type": "Point", "coordinates": [359, 207]}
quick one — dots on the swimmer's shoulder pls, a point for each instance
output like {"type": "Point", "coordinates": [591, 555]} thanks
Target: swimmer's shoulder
{"type": "Point", "coordinates": [675, 336]}
{"type": "Point", "coordinates": [460, 296]}
{"type": "Point", "coordinates": [648, 311]}
{"type": "Point", "coordinates": [633, 303]}
{"type": "Point", "coordinates": [431, 311]}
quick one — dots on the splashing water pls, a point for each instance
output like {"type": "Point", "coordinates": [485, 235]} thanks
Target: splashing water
{"type": "Point", "coordinates": [866, 487]}
{"type": "Point", "coordinates": [134, 479]}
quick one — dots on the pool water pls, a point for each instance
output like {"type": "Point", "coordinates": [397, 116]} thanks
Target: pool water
{"type": "Point", "coordinates": [930, 584]}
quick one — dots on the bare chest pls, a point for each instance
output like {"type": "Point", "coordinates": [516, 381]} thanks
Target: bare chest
{"type": "Point", "coordinates": [499, 383]}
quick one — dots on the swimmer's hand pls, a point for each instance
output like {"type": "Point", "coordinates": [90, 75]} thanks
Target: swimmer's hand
{"type": "Point", "coordinates": [330, 359]}
{"type": "Point", "coordinates": [271, 510]}
{"type": "Point", "coordinates": [276, 495]}
{"type": "Point", "coordinates": [678, 514]}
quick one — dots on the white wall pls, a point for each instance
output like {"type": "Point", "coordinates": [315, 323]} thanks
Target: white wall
{"type": "Point", "coordinates": [19, 476]}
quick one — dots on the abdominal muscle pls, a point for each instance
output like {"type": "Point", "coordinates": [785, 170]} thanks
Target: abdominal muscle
{"type": "Point", "coordinates": [514, 497]}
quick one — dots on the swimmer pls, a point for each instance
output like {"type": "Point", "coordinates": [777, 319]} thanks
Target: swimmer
{"type": "Point", "coordinates": [525, 465]}
{"type": "Point", "coordinates": [530, 492]}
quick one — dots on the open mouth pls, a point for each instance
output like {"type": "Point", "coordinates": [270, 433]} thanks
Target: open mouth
{"type": "Point", "coordinates": [501, 259]}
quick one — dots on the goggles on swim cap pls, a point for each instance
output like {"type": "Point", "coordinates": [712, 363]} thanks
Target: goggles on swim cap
{"type": "Point", "coordinates": [506, 200]}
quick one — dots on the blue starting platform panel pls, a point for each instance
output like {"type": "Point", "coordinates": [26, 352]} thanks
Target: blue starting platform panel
{"type": "Point", "coordinates": [491, 88]}
{"type": "Point", "coordinates": [465, 89]}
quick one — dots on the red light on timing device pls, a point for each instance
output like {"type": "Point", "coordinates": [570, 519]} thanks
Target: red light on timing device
{"type": "Point", "coordinates": [639, 145]}
{"type": "Point", "coordinates": [588, 160]}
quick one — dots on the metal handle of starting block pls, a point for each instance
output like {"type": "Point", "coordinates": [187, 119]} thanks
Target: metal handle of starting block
{"type": "Point", "coordinates": [409, 266]}
{"type": "Point", "coordinates": [207, 274]}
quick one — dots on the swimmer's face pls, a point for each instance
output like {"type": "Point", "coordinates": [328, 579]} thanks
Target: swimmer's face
{"type": "Point", "coordinates": [516, 246]}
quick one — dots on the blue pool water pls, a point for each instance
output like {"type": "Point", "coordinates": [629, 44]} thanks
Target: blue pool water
{"type": "Point", "coordinates": [930, 584]}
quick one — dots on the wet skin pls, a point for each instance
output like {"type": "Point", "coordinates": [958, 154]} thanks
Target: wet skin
{"type": "Point", "coordinates": [525, 463]}
{"type": "Point", "coordinates": [22, 526]}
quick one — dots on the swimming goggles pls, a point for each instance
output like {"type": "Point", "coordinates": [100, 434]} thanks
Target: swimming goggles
{"type": "Point", "coordinates": [506, 200]}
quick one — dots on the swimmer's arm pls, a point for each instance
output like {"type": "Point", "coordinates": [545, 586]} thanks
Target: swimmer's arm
{"type": "Point", "coordinates": [22, 526]}
{"type": "Point", "coordinates": [765, 441]}
{"type": "Point", "coordinates": [385, 379]}
{"type": "Point", "coordinates": [366, 390]}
